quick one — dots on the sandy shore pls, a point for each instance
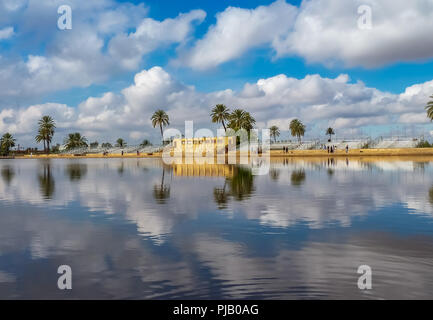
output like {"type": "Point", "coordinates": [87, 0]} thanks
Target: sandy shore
{"type": "Point", "coordinates": [356, 153]}
{"type": "Point", "coordinates": [426, 152]}
{"type": "Point", "coordinates": [89, 156]}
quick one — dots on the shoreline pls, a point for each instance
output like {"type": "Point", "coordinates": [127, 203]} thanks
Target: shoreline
{"type": "Point", "coordinates": [355, 153]}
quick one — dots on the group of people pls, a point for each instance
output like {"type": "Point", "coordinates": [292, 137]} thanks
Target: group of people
{"type": "Point", "coordinates": [332, 149]}
{"type": "Point", "coordinates": [105, 153]}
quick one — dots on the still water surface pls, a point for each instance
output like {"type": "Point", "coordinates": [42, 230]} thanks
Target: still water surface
{"type": "Point", "coordinates": [133, 228]}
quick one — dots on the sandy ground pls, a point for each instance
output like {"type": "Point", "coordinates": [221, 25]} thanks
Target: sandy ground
{"type": "Point", "coordinates": [274, 154]}
{"type": "Point", "coordinates": [356, 153]}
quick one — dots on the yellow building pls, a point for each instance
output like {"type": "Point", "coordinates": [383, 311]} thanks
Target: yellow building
{"type": "Point", "coordinates": [203, 144]}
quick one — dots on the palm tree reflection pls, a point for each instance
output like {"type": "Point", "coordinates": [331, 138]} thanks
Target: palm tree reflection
{"type": "Point", "coordinates": [161, 192]}
{"type": "Point", "coordinates": [274, 174]}
{"type": "Point", "coordinates": [297, 178]}
{"type": "Point", "coordinates": [46, 181]}
{"type": "Point", "coordinates": [430, 195]}
{"type": "Point", "coordinates": [121, 169]}
{"type": "Point", "coordinates": [420, 166]}
{"type": "Point", "coordinates": [76, 171]}
{"type": "Point", "coordinates": [221, 197]}
{"type": "Point", "coordinates": [8, 174]}
{"type": "Point", "coordinates": [241, 186]}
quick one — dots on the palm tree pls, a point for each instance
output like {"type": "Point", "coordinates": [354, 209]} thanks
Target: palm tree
{"type": "Point", "coordinates": [120, 143]}
{"type": "Point", "coordinates": [219, 114]}
{"type": "Point", "coordinates": [297, 129]}
{"type": "Point", "coordinates": [145, 143]}
{"type": "Point", "coordinates": [240, 119]}
{"type": "Point", "coordinates": [330, 132]}
{"type": "Point", "coordinates": [40, 137]}
{"type": "Point", "coordinates": [274, 132]}
{"type": "Point", "coordinates": [75, 140]}
{"type": "Point", "coordinates": [94, 144]}
{"type": "Point", "coordinates": [249, 122]}
{"type": "Point", "coordinates": [429, 108]}
{"type": "Point", "coordinates": [46, 131]}
{"type": "Point", "coordinates": [7, 142]}
{"type": "Point", "coordinates": [160, 118]}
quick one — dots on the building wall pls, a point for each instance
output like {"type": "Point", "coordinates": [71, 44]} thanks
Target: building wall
{"type": "Point", "coordinates": [204, 143]}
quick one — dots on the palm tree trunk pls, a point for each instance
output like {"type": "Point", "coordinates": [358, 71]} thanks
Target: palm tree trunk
{"type": "Point", "coordinates": [45, 148]}
{"type": "Point", "coordinates": [225, 129]}
{"type": "Point", "coordinates": [162, 135]}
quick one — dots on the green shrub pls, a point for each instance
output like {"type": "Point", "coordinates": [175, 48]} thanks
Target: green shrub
{"type": "Point", "coordinates": [423, 144]}
{"type": "Point", "coordinates": [366, 146]}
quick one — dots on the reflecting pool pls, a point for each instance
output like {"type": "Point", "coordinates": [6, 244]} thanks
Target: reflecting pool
{"type": "Point", "coordinates": [138, 229]}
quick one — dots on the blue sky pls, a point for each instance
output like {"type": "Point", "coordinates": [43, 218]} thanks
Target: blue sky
{"type": "Point", "coordinates": [277, 59]}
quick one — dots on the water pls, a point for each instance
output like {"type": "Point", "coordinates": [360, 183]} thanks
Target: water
{"type": "Point", "coordinates": [137, 229]}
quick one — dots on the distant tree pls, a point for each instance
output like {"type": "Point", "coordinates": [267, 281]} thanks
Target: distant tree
{"type": "Point", "coordinates": [219, 114]}
{"type": "Point", "coordinates": [241, 119]}
{"type": "Point", "coordinates": [429, 108]}
{"type": "Point", "coordinates": [46, 130]}
{"type": "Point", "coordinates": [160, 118]}
{"type": "Point", "coordinates": [94, 144]}
{"type": "Point", "coordinates": [120, 143]}
{"type": "Point", "coordinates": [75, 140]}
{"type": "Point", "coordinates": [423, 144]}
{"type": "Point", "coordinates": [7, 141]}
{"type": "Point", "coordinates": [330, 132]}
{"type": "Point", "coordinates": [274, 131]}
{"type": "Point", "coordinates": [297, 129]}
{"type": "Point", "coordinates": [145, 143]}
{"type": "Point", "coordinates": [55, 148]}
{"type": "Point", "coordinates": [106, 145]}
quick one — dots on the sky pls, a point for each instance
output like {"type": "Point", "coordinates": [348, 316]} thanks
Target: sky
{"type": "Point", "coordinates": [363, 67]}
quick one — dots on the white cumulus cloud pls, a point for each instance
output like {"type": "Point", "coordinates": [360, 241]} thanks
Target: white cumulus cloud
{"type": "Point", "coordinates": [317, 101]}
{"type": "Point", "coordinates": [320, 31]}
